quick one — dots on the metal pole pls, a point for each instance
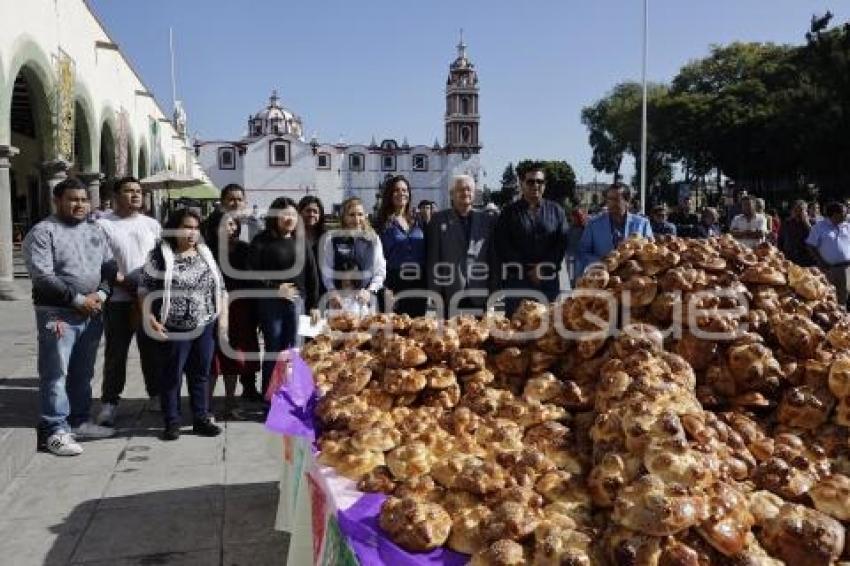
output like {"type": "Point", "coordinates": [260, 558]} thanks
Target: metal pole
{"type": "Point", "coordinates": [643, 116]}
{"type": "Point", "coordinates": [173, 81]}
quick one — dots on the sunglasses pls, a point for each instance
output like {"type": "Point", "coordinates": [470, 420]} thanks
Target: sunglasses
{"type": "Point", "coordinates": [539, 182]}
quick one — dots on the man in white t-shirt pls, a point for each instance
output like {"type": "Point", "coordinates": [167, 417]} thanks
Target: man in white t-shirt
{"type": "Point", "coordinates": [749, 227]}
{"type": "Point", "coordinates": [131, 236]}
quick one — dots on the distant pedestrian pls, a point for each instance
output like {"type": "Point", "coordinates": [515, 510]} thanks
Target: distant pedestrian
{"type": "Point", "coordinates": [131, 236]}
{"type": "Point", "coordinates": [813, 211]}
{"type": "Point", "coordinates": [793, 234]}
{"type": "Point", "coordinates": [578, 222]}
{"type": "Point", "coordinates": [69, 263]}
{"type": "Point", "coordinates": [426, 211]}
{"type": "Point", "coordinates": [530, 242]}
{"type": "Point", "coordinates": [659, 223]}
{"type": "Point", "coordinates": [403, 240]}
{"type": "Point", "coordinates": [685, 218]}
{"type": "Point", "coordinates": [183, 272]}
{"type": "Point", "coordinates": [829, 242]}
{"type": "Point", "coordinates": [749, 227]}
{"type": "Point", "coordinates": [709, 225]}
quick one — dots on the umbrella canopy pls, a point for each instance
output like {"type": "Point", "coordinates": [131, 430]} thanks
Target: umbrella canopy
{"type": "Point", "coordinates": [169, 180]}
{"type": "Point", "coordinates": [200, 191]}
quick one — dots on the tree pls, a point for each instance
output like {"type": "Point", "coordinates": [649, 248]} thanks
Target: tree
{"type": "Point", "coordinates": [614, 126]}
{"type": "Point", "coordinates": [560, 178]}
{"type": "Point", "coordinates": [509, 186]}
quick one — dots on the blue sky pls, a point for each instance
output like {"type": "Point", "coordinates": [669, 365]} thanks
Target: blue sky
{"type": "Point", "coordinates": [378, 67]}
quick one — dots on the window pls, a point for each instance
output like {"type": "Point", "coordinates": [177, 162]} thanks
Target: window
{"type": "Point", "coordinates": [278, 153]}
{"type": "Point", "coordinates": [420, 162]}
{"type": "Point", "coordinates": [356, 162]}
{"type": "Point", "coordinates": [464, 105]}
{"type": "Point", "coordinates": [226, 158]}
{"type": "Point", "coordinates": [389, 145]}
{"type": "Point", "coordinates": [388, 163]}
{"type": "Point", "coordinates": [323, 161]}
{"type": "Point", "coordinates": [465, 134]}
{"type": "Point", "coordinates": [258, 127]}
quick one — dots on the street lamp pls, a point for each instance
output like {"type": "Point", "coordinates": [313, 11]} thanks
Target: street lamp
{"type": "Point", "coordinates": [314, 144]}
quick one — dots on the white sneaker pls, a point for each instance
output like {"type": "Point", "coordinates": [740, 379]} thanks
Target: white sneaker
{"type": "Point", "coordinates": [91, 430]}
{"type": "Point", "coordinates": [107, 415]}
{"type": "Point", "coordinates": [63, 444]}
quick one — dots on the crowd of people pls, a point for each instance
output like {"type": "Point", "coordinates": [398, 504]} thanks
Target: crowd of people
{"type": "Point", "coordinates": [199, 293]}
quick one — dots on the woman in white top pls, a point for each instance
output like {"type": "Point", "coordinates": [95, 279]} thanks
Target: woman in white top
{"type": "Point", "coordinates": [352, 263]}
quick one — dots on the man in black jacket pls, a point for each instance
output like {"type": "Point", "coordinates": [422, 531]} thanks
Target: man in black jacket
{"type": "Point", "coordinates": [530, 242]}
{"type": "Point", "coordinates": [72, 272]}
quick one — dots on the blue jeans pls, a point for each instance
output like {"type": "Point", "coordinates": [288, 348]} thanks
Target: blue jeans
{"type": "Point", "coordinates": [279, 325]}
{"type": "Point", "coordinates": [65, 367]}
{"type": "Point", "coordinates": [194, 358]}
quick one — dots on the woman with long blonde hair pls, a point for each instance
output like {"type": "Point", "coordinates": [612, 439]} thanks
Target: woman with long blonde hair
{"type": "Point", "coordinates": [352, 263]}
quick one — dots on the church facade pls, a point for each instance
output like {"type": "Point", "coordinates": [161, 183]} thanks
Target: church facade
{"type": "Point", "coordinates": [275, 159]}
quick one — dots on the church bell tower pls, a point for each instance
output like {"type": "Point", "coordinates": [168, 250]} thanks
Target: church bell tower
{"type": "Point", "coordinates": [462, 118]}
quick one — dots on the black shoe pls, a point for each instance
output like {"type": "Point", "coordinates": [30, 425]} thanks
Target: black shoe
{"type": "Point", "coordinates": [206, 428]}
{"type": "Point", "coordinates": [251, 395]}
{"type": "Point", "coordinates": [171, 432]}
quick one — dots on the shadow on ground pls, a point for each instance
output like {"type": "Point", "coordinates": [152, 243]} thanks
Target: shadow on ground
{"type": "Point", "coordinates": [230, 525]}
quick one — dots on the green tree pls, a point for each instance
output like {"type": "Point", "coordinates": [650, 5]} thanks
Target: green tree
{"type": "Point", "coordinates": [509, 187]}
{"type": "Point", "coordinates": [614, 127]}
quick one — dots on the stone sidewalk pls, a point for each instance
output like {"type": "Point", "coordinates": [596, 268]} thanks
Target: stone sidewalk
{"type": "Point", "coordinates": [133, 499]}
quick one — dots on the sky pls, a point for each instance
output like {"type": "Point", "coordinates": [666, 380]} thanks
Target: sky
{"type": "Point", "coordinates": [354, 70]}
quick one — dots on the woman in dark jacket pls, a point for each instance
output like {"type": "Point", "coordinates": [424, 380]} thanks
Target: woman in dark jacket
{"type": "Point", "coordinates": [237, 358]}
{"type": "Point", "coordinates": [286, 268]}
{"type": "Point", "coordinates": [403, 241]}
{"type": "Point", "coordinates": [312, 213]}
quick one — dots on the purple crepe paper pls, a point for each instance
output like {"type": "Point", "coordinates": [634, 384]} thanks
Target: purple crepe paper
{"type": "Point", "coordinates": [291, 413]}
{"type": "Point", "coordinates": [359, 524]}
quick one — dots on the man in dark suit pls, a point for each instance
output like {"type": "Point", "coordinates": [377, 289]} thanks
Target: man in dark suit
{"type": "Point", "coordinates": [530, 242]}
{"type": "Point", "coordinates": [458, 265]}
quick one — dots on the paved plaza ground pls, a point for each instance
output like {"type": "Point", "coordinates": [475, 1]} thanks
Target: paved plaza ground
{"type": "Point", "coordinates": [133, 499]}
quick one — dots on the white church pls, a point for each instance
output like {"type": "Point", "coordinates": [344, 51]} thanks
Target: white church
{"type": "Point", "coordinates": [275, 159]}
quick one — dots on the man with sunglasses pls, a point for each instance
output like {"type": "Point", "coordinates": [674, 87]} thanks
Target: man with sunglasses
{"type": "Point", "coordinates": [607, 229]}
{"type": "Point", "coordinates": [530, 242]}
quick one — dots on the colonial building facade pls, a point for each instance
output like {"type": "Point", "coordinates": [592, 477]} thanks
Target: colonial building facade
{"type": "Point", "coordinates": [70, 102]}
{"type": "Point", "coordinates": [275, 159]}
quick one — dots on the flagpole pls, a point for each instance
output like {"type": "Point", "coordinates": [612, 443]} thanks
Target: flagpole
{"type": "Point", "coordinates": [173, 81]}
{"type": "Point", "coordinates": [643, 109]}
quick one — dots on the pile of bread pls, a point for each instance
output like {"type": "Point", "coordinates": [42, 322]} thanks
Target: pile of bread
{"type": "Point", "coordinates": [698, 417]}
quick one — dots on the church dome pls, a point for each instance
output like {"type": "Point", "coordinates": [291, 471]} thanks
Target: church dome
{"type": "Point", "coordinates": [275, 119]}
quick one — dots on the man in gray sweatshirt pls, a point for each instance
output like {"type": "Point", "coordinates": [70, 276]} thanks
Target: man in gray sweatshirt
{"type": "Point", "coordinates": [72, 272]}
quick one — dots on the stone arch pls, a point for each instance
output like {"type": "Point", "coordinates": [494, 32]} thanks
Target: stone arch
{"type": "Point", "coordinates": [107, 139]}
{"type": "Point", "coordinates": [131, 153]}
{"type": "Point", "coordinates": [143, 162]}
{"type": "Point", "coordinates": [30, 63]}
{"type": "Point", "coordinates": [27, 122]}
{"type": "Point", "coordinates": [86, 135]}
